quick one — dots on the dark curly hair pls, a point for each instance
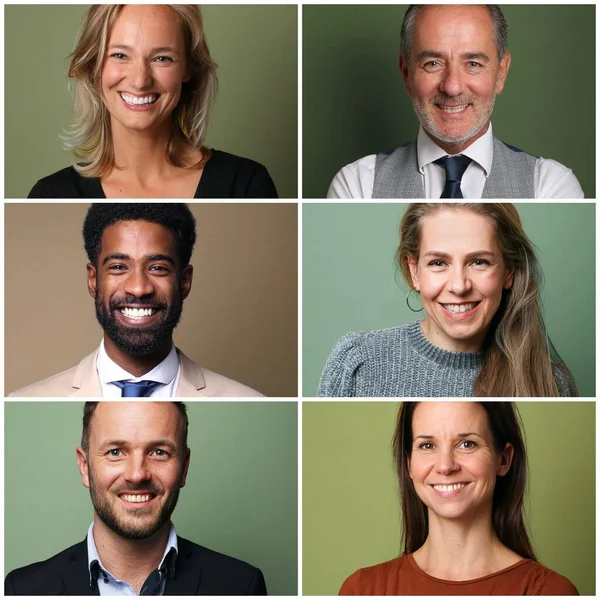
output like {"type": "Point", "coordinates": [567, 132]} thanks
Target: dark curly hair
{"type": "Point", "coordinates": [177, 218]}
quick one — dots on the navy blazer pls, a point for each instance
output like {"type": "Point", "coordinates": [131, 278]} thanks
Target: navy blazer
{"type": "Point", "coordinates": [198, 572]}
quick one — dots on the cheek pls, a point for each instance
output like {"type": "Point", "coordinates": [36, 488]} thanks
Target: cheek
{"type": "Point", "coordinates": [431, 285]}
{"type": "Point", "coordinates": [111, 75]}
{"type": "Point", "coordinates": [491, 287]}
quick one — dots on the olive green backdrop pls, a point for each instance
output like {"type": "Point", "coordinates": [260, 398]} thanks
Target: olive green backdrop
{"type": "Point", "coordinates": [350, 505]}
{"type": "Point", "coordinates": [351, 283]}
{"type": "Point", "coordinates": [354, 102]}
{"type": "Point", "coordinates": [255, 113]}
{"type": "Point", "coordinates": [241, 495]}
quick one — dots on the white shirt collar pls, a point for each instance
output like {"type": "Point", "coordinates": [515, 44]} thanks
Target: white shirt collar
{"type": "Point", "coordinates": [481, 150]}
{"type": "Point", "coordinates": [93, 553]}
{"type": "Point", "coordinates": [109, 371]}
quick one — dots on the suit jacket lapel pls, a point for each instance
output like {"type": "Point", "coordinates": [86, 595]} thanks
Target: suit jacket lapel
{"type": "Point", "coordinates": [188, 575]}
{"type": "Point", "coordinates": [191, 380]}
{"type": "Point", "coordinates": [86, 383]}
{"type": "Point", "coordinates": [76, 577]}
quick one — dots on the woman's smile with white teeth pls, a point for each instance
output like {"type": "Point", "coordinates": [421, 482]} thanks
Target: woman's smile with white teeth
{"type": "Point", "coordinates": [460, 308]}
{"type": "Point", "coordinates": [449, 488]}
{"type": "Point", "coordinates": [137, 100]}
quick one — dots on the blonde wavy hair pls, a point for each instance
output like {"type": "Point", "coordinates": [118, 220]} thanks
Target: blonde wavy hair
{"type": "Point", "coordinates": [90, 136]}
{"type": "Point", "coordinates": [517, 358]}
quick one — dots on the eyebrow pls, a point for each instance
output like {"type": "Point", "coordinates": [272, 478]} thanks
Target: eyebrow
{"type": "Point", "coordinates": [445, 255]}
{"type": "Point", "coordinates": [153, 443]}
{"type": "Point", "coordinates": [466, 55]}
{"type": "Point", "coordinates": [150, 257]}
{"type": "Point", "coordinates": [152, 51]}
{"type": "Point", "coordinates": [460, 435]}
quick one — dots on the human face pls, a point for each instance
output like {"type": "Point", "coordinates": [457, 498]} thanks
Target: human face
{"type": "Point", "coordinates": [453, 73]}
{"type": "Point", "coordinates": [138, 268]}
{"type": "Point", "coordinates": [460, 274]}
{"type": "Point", "coordinates": [135, 465]}
{"type": "Point", "coordinates": [453, 462]}
{"type": "Point", "coordinates": [144, 67]}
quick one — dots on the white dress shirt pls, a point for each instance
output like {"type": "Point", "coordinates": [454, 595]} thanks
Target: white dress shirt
{"type": "Point", "coordinates": [108, 584]}
{"type": "Point", "coordinates": [551, 179]}
{"type": "Point", "coordinates": [167, 372]}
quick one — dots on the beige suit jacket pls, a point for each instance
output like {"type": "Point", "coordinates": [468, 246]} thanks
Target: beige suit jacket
{"type": "Point", "coordinates": [82, 381]}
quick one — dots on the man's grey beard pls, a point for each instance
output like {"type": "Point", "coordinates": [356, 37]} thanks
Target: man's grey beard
{"type": "Point", "coordinates": [428, 123]}
{"type": "Point", "coordinates": [126, 530]}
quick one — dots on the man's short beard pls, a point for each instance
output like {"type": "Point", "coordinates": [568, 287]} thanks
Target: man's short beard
{"type": "Point", "coordinates": [128, 531]}
{"type": "Point", "coordinates": [138, 341]}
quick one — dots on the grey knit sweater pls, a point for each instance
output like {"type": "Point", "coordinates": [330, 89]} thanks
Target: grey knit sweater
{"type": "Point", "coordinates": [402, 362]}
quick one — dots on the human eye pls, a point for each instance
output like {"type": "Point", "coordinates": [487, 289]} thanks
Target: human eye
{"type": "Point", "coordinates": [114, 453]}
{"type": "Point", "coordinates": [167, 60]}
{"type": "Point", "coordinates": [480, 262]}
{"type": "Point", "coordinates": [437, 263]}
{"type": "Point", "coordinates": [432, 65]}
{"type": "Point", "coordinates": [160, 269]}
{"type": "Point", "coordinates": [468, 444]}
{"type": "Point", "coordinates": [160, 453]}
{"type": "Point", "coordinates": [118, 56]}
{"type": "Point", "coordinates": [474, 64]}
{"type": "Point", "coordinates": [425, 446]}
{"type": "Point", "coordinates": [116, 268]}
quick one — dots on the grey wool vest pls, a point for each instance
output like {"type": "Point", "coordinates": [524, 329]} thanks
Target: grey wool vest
{"type": "Point", "coordinates": [512, 174]}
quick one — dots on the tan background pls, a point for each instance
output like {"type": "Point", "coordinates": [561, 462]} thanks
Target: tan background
{"type": "Point", "coordinates": [239, 320]}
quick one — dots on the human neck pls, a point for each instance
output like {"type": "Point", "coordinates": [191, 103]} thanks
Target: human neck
{"type": "Point", "coordinates": [457, 550]}
{"type": "Point", "coordinates": [433, 334]}
{"type": "Point", "coordinates": [458, 147]}
{"type": "Point", "coordinates": [130, 560]}
{"type": "Point", "coordinates": [134, 364]}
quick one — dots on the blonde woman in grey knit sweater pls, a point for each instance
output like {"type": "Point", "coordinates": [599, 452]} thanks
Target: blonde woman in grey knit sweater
{"type": "Point", "coordinates": [477, 277]}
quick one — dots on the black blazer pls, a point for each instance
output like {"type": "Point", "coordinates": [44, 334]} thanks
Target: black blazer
{"type": "Point", "coordinates": [198, 572]}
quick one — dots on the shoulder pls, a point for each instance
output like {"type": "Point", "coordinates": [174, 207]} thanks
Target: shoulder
{"type": "Point", "coordinates": [66, 183]}
{"type": "Point", "coordinates": [541, 581]}
{"type": "Point", "coordinates": [355, 180]}
{"type": "Point", "coordinates": [375, 580]}
{"type": "Point", "coordinates": [564, 381]}
{"type": "Point", "coordinates": [57, 385]}
{"type": "Point", "coordinates": [38, 578]}
{"type": "Point", "coordinates": [554, 180]}
{"type": "Point", "coordinates": [221, 574]}
{"type": "Point", "coordinates": [212, 384]}
{"type": "Point", "coordinates": [352, 356]}
{"type": "Point", "coordinates": [230, 176]}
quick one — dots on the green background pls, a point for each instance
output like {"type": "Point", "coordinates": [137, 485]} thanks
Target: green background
{"type": "Point", "coordinates": [354, 102]}
{"type": "Point", "coordinates": [351, 283]}
{"type": "Point", "coordinates": [351, 514]}
{"type": "Point", "coordinates": [241, 495]}
{"type": "Point", "coordinates": [255, 113]}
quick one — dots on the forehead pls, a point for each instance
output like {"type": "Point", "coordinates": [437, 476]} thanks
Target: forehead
{"type": "Point", "coordinates": [134, 422]}
{"type": "Point", "coordinates": [457, 230]}
{"type": "Point", "coordinates": [151, 24]}
{"type": "Point", "coordinates": [137, 239]}
{"type": "Point", "coordinates": [440, 25]}
{"type": "Point", "coordinates": [451, 418]}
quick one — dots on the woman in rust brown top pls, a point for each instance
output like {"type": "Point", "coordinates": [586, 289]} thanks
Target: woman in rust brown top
{"type": "Point", "coordinates": [462, 474]}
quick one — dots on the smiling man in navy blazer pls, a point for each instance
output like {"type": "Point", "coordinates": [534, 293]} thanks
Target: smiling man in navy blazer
{"type": "Point", "coordinates": [134, 460]}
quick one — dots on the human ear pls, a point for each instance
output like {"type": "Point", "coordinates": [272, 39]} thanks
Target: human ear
{"type": "Point", "coordinates": [403, 66]}
{"type": "Point", "coordinates": [186, 280]}
{"type": "Point", "coordinates": [82, 463]}
{"type": "Point", "coordinates": [503, 72]}
{"type": "Point", "coordinates": [509, 279]}
{"type": "Point", "coordinates": [186, 466]}
{"type": "Point", "coordinates": [505, 461]}
{"type": "Point", "coordinates": [414, 272]}
{"type": "Point", "coordinates": [92, 280]}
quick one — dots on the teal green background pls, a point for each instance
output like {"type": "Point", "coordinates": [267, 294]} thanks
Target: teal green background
{"type": "Point", "coordinates": [351, 282]}
{"type": "Point", "coordinates": [350, 505]}
{"type": "Point", "coordinates": [255, 113]}
{"type": "Point", "coordinates": [241, 495]}
{"type": "Point", "coordinates": [354, 102]}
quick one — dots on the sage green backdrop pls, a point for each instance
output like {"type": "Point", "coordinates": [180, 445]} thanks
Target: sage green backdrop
{"type": "Point", "coordinates": [255, 113]}
{"type": "Point", "coordinates": [350, 505]}
{"type": "Point", "coordinates": [351, 282]}
{"type": "Point", "coordinates": [241, 495]}
{"type": "Point", "coordinates": [354, 102]}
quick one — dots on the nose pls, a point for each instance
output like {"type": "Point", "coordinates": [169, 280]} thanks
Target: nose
{"type": "Point", "coordinates": [446, 463]}
{"type": "Point", "coordinates": [141, 76]}
{"type": "Point", "coordinates": [451, 83]}
{"type": "Point", "coordinates": [138, 283]}
{"type": "Point", "coordinates": [136, 469]}
{"type": "Point", "coordinates": [458, 281]}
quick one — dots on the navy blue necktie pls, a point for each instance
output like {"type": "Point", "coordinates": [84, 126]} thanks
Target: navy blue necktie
{"type": "Point", "coordinates": [455, 167]}
{"type": "Point", "coordinates": [136, 389]}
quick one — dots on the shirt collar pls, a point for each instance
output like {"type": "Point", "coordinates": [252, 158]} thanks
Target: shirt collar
{"type": "Point", "coordinates": [163, 372]}
{"type": "Point", "coordinates": [167, 561]}
{"type": "Point", "coordinates": [481, 150]}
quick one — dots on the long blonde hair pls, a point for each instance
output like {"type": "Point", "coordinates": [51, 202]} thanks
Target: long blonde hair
{"type": "Point", "coordinates": [517, 352]}
{"type": "Point", "coordinates": [90, 136]}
